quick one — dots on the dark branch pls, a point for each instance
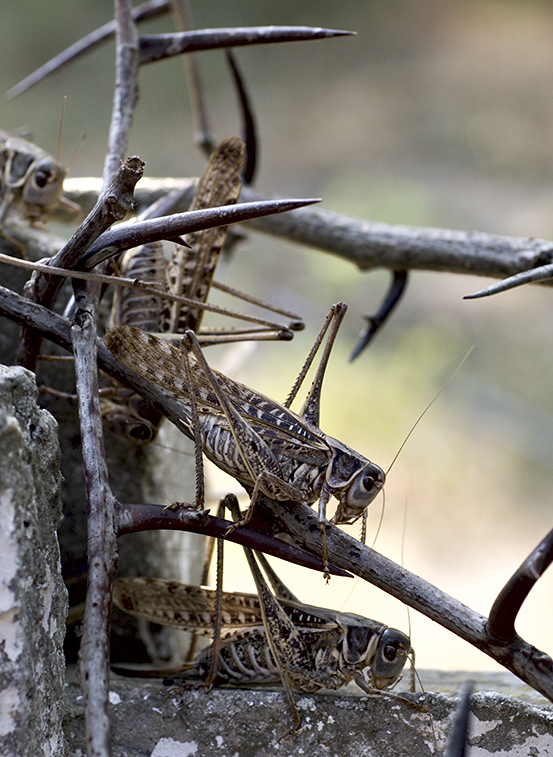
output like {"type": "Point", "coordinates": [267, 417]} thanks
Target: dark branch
{"type": "Point", "coordinates": [510, 599]}
{"type": "Point", "coordinates": [300, 522]}
{"type": "Point", "coordinates": [134, 518]}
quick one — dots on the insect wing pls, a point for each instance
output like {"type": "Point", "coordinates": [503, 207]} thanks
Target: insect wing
{"type": "Point", "coordinates": [190, 608]}
{"type": "Point", "coordinates": [161, 363]}
{"type": "Point", "coordinates": [190, 271]}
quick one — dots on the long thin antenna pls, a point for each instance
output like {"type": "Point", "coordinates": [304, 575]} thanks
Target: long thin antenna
{"type": "Point", "coordinates": [416, 423]}
{"type": "Point", "coordinates": [58, 155]}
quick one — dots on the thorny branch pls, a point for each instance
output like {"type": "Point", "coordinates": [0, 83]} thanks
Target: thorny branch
{"type": "Point", "coordinates": [365, 244]}
{"type": "Point", "coordinates": [116, 199]}
{"type": "Point", "coordinates": [368, 244]}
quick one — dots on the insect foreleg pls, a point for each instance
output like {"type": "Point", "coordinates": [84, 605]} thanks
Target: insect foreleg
{"type": "Point", "coordinates": [261, 464]}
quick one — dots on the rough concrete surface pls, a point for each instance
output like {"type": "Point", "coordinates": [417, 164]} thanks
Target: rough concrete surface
{"type": "Point", "coordinates": [149, 721]}
{"type": "Point", "coordinates": [33, 598]}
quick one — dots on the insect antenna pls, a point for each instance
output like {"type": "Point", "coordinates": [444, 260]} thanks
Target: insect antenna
{"type": "Point", "coordinates": [421, 416]}
{"type": "Point", "coordinates": [58, 154]}
{"type": "Point", "coordinates": [75, 153]}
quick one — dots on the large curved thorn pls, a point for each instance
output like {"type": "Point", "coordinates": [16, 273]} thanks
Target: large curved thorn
{"type": "Point", "coordinates": [169, 227]}
{"type": "Point", "coordinates": [374, 322]}
{"type": "Point", "coordinates": [157, 46]}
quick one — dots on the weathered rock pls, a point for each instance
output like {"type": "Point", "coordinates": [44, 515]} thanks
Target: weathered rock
{"type": "Point", "coordinates": [33, 598]}
{"type": "Point", "coordinates": [149, 722]}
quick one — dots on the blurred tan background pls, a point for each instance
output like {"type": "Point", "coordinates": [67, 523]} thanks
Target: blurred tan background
{"type": "Point", "coordinates": [435, 114]}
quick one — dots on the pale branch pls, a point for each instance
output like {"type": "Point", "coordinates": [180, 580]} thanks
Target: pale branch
{"type": "Point", "coordinates": [368, 244]}
{"type": "Point", "coordinates": [101, 540]}
{"type": "Point", "coordinates": [125, 93]}
{"type": "Point", "coordinates": [119, 180]}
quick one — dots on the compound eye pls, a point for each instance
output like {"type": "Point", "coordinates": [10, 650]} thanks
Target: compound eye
{"type": "Point", "coordinates": [42, 178]}
{"type": "Point", "coordinates": [389, 652]}
{"type": "Point", "coordinates": [368, 482]}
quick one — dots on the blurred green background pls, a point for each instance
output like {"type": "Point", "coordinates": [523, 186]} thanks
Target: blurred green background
{"type": "Point", "coordinates": [435, 114]}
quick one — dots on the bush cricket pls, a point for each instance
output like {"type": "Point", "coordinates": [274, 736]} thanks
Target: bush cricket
{"type": "Point", "coordinates": [29, 177]}
{"type": "Point", "coordinates": [306, 648]}
{"type": "Point", "coordinates": [264, 445]}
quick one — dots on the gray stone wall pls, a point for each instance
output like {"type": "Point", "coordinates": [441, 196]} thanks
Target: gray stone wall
{"type": "Point", "coordinates": [508, 719]}
{"type": "Point", "coordinates": [33, 598]}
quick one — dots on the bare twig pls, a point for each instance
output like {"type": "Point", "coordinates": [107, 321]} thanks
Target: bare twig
{"type": "Point", "coordinates": [101, 542]}
{"type": "Point", "coordinates": [125, 95]}
{"type": "Point", "coordinates": [501, 624]}
{"type": "Point", "coordinates": [111, 207]}
{"type": "Point", "coordinates": [86, 44]}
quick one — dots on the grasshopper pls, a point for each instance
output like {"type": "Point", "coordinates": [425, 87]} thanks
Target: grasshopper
{"type": "Point", "coordinates": [307, 647]}
{"type": "Point", "coordinates": [29, 177]}
{"type": "Point", "coordinates": [264, 445]}
{"type": "Point", "coordinates": [189, 273]}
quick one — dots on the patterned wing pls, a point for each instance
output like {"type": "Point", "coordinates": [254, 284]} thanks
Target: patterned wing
{"type": "Point", "coordinates": [190, 608]}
